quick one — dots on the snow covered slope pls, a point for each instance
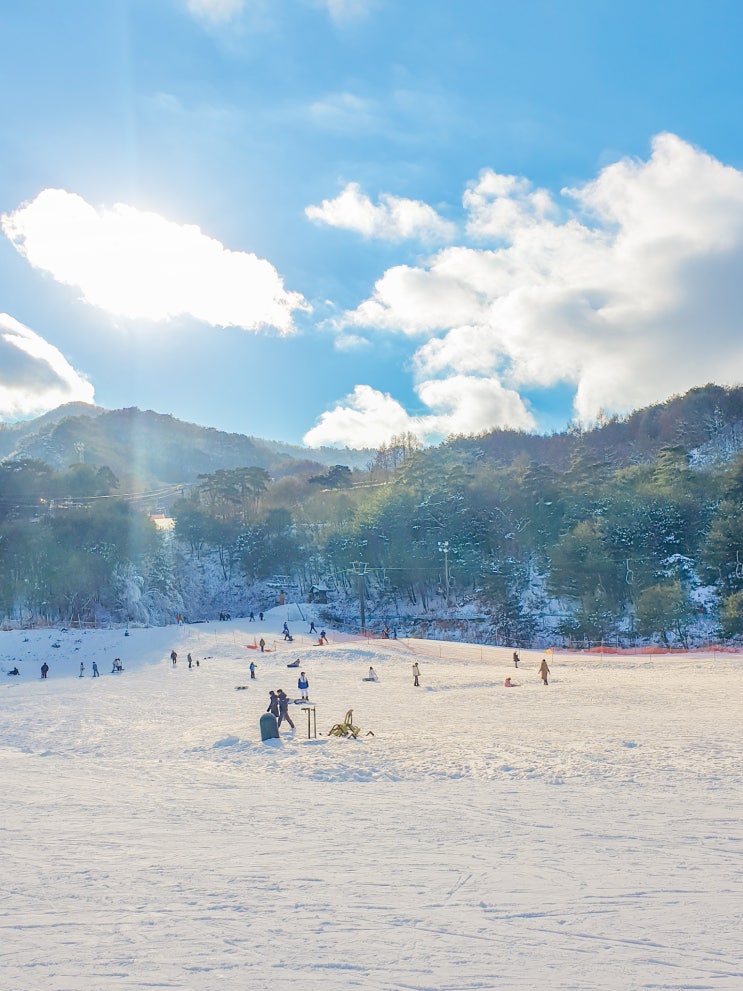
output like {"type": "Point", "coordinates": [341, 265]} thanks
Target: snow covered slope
{"type": "Point", "coordinates": [582, 835]}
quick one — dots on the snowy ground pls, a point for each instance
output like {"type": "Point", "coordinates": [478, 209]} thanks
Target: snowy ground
{"type": "Point", "coordinates": [585, 835]}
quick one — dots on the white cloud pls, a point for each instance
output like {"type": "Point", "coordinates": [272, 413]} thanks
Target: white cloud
{"type": "Point", "coordinates": [461, 404]}
{"type": "Point", "coordinates": [216, 11]}
{"type": "Point", "coordinates": [393, 218]}
{"type": "Point", "coordinates": [138, 265]}
{"type": "Point", "coordinates": [498, 205]}
{"type": "Point", "coordinates": [342, 11]}
{"type": "Point", "coordinates": [34, 375]}
{"type": "Point", "coordinates": [629, 288]}
{"type": "Point", "coordinates": [346, 113]}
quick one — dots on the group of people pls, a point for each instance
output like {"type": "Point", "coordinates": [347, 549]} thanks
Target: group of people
{"type": "Point", "coordinates": [543, 670]}
{"type": "Point", "coordinates": [278, 705]}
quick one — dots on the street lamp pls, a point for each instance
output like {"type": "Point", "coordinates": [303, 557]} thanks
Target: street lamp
{"type": "Point", "coordinates": [444, 548]}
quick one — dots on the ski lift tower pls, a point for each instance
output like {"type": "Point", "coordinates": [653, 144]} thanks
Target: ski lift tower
{"type": "Point", "coordinates": [360, 569]}
{"type": "Point", "coordinates": [444, 548]}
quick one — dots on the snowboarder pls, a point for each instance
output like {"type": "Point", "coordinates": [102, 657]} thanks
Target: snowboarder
{"type": "Point", "coordinates": [44, 669]}
{"type": "Point", "coordinates": [313, 628]}
{"type": "Point", "coordinates": [273, 704]}
{"type": "Point", "coordinates": [95, 670]}
{"type": "Point", "coordinates": [174, 657]}
{"type": "Point", "coordinates": [516, 658]}
{"type": "Point", "coordinates": [252, 669]}
{"type": "Point", "coordinates": [284, 708]}
{"type": "Point", "coordinates": [82, 670]}
{"type": "Point", "coordinates": [262, 644]}
{"type": "Point", "coordinates": [416, 674]}
{"type": "Point", "coordinates": [304, 686]}
{"type": "Point", "coordinates": [544, 671]}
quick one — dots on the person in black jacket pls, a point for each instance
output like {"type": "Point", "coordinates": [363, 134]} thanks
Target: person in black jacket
{"type": "Point", "coordinates": [273, 704]}
{"type": "Point", "coordinates": [284, 708]}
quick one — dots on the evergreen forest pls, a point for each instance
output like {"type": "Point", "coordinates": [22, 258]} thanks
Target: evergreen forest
{"type": "Point", "coordinates": [629, 532]}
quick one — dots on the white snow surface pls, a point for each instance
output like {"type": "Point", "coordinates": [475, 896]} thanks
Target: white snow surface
{"type": "Point", "coordinates": [581, 835]}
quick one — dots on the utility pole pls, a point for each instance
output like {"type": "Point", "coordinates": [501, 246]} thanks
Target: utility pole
{"type": "Point", "coordinates": [360, 569]}
{"type": "Point", "coordinates": [444, 548]}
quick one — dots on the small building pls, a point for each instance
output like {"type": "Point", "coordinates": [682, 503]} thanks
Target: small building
{"type": "Point", "coordinates": [319, 593]}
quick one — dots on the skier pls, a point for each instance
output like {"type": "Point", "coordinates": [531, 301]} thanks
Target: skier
{"type": "Point", "coordinates": [303, 685]}
{"type": "Point", "coordinates": [252, 669]}
{"type": "Point", "coordinates": [174, 657]}
{"type": "Point", "coordinates": [544, 671]}
{"type": "Point", "coordinates": [416, 674]}
{"type": "Point", "coordinates": [44, 669]}
{"type": "Point", "coordinates": [95, 670]}
{"type": "Point", "coordinates": [313, 628]}
{"type": "Point", "coordinates": [273, 704]}
{"type": "Point", "coordinates": [284, 708]}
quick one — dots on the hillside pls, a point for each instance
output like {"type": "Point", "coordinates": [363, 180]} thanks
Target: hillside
{"type": "Point", "coordinates": [146, 450]}
{"type": "Point", "coordinates": [706, 421]}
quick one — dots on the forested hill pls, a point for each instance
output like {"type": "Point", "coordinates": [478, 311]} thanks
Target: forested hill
{"type": "Point", "coordinates": [145, 449]}
{"type": "Point", "coordinates": [707, 422]}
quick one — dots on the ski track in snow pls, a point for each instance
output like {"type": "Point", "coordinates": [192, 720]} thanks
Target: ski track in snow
{"type": "Point", "coordinates": [585, 835]}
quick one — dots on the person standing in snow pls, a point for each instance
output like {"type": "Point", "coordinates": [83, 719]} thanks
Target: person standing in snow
{"type": "Point", "coordinates": [44, 669]}
{"type": "Point", "coordinates": [313, 628]}
{"type": "Point", "coordinates": [190, 660]}
{"type": "Point", "coordinates": [173, 657]}
{"type": "Point", "coordinates": [304, 686]}
{"type": "Point", "coordinates": [82, 669]}
{"type": "Point", "coordinates": [95, 670]}
{"type": "Point", "coordinates": [416, 675]}
{"type": "Point", "coordinates": [260, 616]}
{"type": "Point", "coordinates": [284, 708]}
{"type": "Point", "coordinates": [273, 704]}
{"type": "Point", "coordinates": [544, 671]}
{"type": "Point", "coordinates": [515, 658]}
{"type": "Point", "coordinates": [262, 644]}
{"type": "Point", "coordinates": [251, 617]}
{"type": "Point", "coordinates": [252, 669]}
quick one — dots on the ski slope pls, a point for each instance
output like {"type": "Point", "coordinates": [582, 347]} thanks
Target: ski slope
{"type": "Point", "coordinates": [582, 835]}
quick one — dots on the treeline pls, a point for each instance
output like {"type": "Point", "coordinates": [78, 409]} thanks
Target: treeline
{"type": "Point", "coordinates": [585, 548]}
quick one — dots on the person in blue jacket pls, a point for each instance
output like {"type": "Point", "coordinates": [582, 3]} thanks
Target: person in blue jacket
{"type": "Point", "coordinates": [303, 685]}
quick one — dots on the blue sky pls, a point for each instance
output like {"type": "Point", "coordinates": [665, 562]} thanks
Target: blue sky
{"type": "Point", "coordinates": [339, 220]}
